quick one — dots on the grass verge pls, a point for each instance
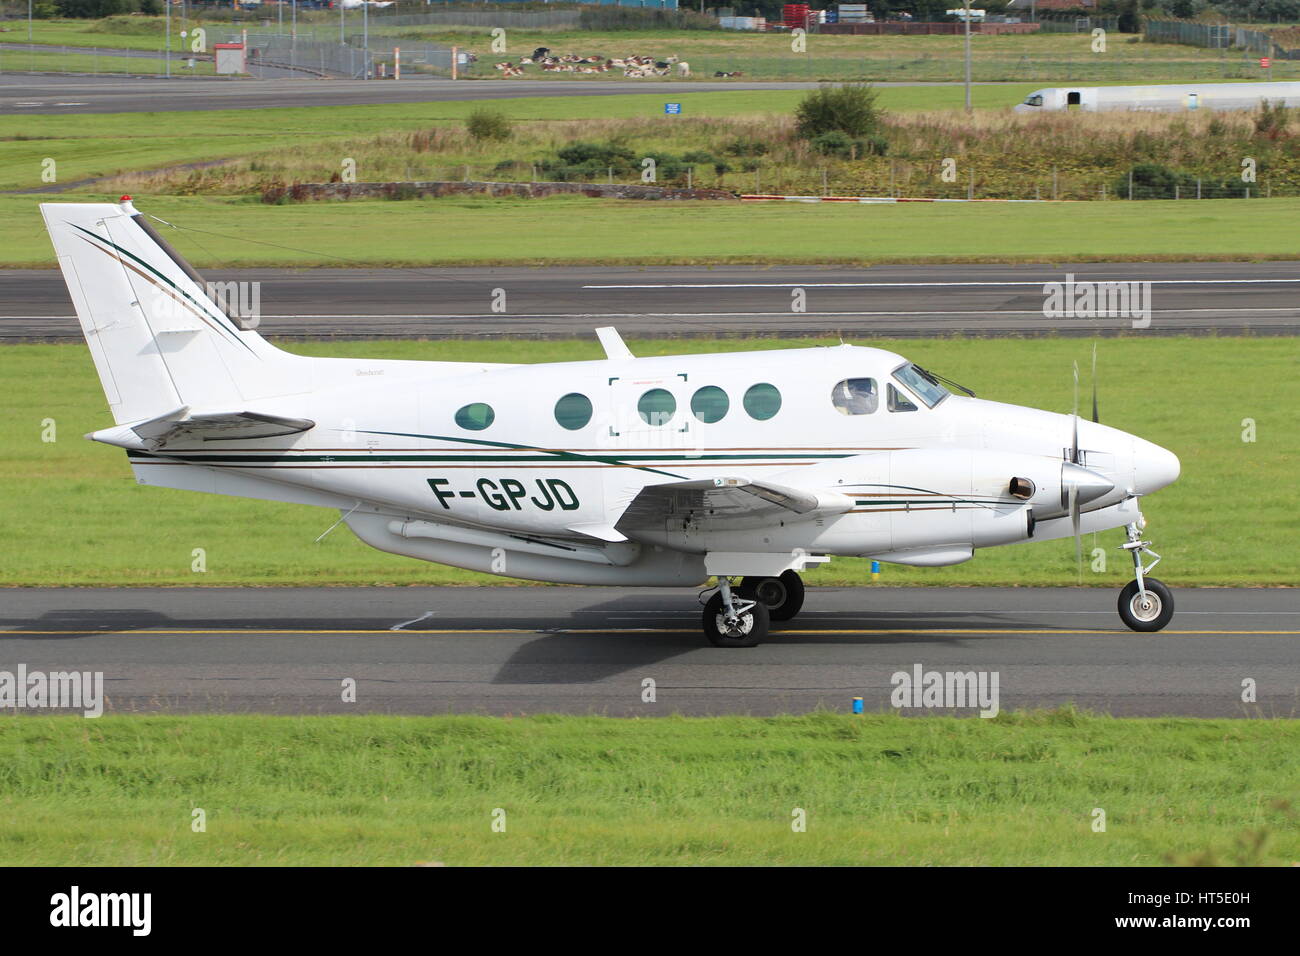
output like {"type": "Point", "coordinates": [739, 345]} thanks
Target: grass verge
{"type": "Point", "coordinates": [1015, 790]}
{"type": "Point", "coordinates": [565, 230]}
{"type": "Point", "coordinates": [104, 144]}
{"type": "Point", "coordinates": [76, 517]}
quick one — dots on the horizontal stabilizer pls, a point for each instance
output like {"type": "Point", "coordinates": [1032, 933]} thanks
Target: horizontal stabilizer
{"type": "Point", "coordinates": [182, 426]}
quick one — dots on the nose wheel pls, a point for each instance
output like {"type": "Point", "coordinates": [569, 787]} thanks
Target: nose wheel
{"type": "Point", "coordinates": [734, 619]}
{"type": "Point", "coordinates": [1145, 604]}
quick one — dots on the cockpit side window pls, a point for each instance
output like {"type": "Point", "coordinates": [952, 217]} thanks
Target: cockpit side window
{"type": "Point", "coordinates": [899, 402]}
{"type": "Point", "coordinates": [855, 396]}
{"type": "Point", "coordinates": [922, 384]}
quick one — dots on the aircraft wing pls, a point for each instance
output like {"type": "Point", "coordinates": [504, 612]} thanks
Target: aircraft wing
{"type": "Point", "coordinates": [181, 425]}
{"type": "Point", "coordinates": [728, 497]}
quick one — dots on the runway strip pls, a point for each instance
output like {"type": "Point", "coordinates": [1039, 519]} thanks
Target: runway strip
{"type": "Point", "coordinates": [53, 93]}
{"type": "Point", "coordinates": [580, 650]}
{"type": "Point", "coordinates": [1195, 298]}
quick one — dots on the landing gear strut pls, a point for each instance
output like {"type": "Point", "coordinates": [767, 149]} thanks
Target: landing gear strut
{"type": "Point", "coordinates": [1145, 604]}
{"type": "Point", "coordinates": [783, 596]}
{"type": "Point", "coordinates": [734, 619]}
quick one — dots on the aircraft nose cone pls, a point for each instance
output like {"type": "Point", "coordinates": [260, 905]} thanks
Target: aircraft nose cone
{"type": "Point", "coordinates": [1155, 467]}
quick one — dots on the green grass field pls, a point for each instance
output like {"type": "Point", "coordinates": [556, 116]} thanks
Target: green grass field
{"type": "Point", "coordinates": [75, 516]}
{"type": "Point", "coordinates": [58, 61]}
{"type": "Point", "coordinates": [1027, 58]}
{"type": "Point", "coordinates": [480, 231]}
{"type": "Point", "coordinates": [1020, 789]}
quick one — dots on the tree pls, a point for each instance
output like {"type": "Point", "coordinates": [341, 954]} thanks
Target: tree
{"type": "Point", "coordinates": [850, 109]}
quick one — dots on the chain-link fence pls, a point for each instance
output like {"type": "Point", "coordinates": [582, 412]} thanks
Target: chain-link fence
{"type": "Point", "coordinates": [271, 54]}
{"type": "Point", "coordinates": [507, 19]}
{"type": "Point", "coordinates": [1216, 36]}
{"type": "Point", "coordinates": [884, 178]}
{"type": "Point", "coordinates": [50, 58]}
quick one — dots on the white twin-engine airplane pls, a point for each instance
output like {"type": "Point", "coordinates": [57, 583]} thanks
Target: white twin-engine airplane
{"type": "Point", "coordinates": [744, 467]}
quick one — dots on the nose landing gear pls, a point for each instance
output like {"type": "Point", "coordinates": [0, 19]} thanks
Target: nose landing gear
{"type": "Point", "coordinates": [741, 616]}
{"type": "Point", "coordinates": [1145, 604]}
{"type": "Point", "coordinates": [733, 619]}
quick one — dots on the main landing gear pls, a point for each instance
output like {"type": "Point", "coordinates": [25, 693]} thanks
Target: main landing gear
{"type": "Point", "coordinates": [1145, 604]}
{"type": "Point", "coordinates": [741, 616]}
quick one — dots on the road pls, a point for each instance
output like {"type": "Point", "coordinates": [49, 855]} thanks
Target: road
{"type": "Point", "coordinates": [46, 93]}
{"type": "Point", "coordinates": [1229, 298]}
{"type": "Point", "coordinates": [579, 650]}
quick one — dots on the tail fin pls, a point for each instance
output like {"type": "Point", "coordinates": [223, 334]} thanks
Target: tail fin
{"type": "Point", "coordinates": [158, 339]}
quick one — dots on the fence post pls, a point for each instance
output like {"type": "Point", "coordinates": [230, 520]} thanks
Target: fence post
{"type": "Point", "coordinates": [825, 191]}
{"type": "Point", "coordinates": [1130, 184]}
{"type": "Point", "coordinates": [970, 188]}
{"type": "Point", "coordinates": [1198, 187]}
{"type": "Point", "coordinates": [1054, 193]}
{"type": "Point", "coordinates": [1176, 192]}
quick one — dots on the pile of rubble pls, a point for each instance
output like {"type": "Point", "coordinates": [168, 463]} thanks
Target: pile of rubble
{"type": "Point", "coordinates": [632, 66]}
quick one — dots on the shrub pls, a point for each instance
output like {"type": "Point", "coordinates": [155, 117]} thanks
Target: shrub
{"type": "Point", "coordinates": [583, 160]}
{"type": "Point", "coordinates": [1272, 119]}
{"type": "Point", "coordinates": [745, 147]}
{"type": "Point", "coordinates": [850, 108]}
{"type": "Point", "coordinates": [1156, 181]}
{"type": "Point", "coordinates": [702, 157]}
{"type": "Point", "coordinates": [841, 145]}
{"type": "Point", "coordinates": [93, 9]}
{"type": "Point", "coordinates": [488, 124]}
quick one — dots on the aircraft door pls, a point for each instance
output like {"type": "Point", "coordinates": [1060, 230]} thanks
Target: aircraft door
{"type": "Point", "coordinates": [648, 429]}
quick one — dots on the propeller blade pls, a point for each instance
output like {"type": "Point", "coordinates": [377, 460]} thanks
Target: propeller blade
{"type": "Point", "coordinates": [1095, 416]}
{"type": "Point", "coordinates": [1074, 523]}
{"type": "Point", "coordinates": [1074, 441]}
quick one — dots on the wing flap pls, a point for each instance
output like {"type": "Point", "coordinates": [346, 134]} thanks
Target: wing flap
{"type": "Point", "coordinates": [728, 497]}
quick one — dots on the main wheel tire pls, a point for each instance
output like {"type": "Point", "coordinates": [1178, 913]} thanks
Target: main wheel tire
{"type": "Point", "coordinates": [1149, 612]}
{"type": "Point", "coordinates": [749, 631]}
{"type": "Point", "coordinates": [783, 596]}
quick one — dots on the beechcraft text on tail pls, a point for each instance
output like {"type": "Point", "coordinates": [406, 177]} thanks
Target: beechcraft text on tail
{"type": "Point", "coordinates": [741, 468]}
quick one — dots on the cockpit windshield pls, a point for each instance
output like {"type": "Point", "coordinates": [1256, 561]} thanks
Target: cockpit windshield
{"type": "Point", "coordinates": [1034, 99]}
{"type": "Point", "coordinates": [922, 384]}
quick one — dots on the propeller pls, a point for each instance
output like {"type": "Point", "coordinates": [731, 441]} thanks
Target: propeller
{"type": "Point", "coordinates": [1077, 458]}
{"type": "Point", "coordinates": [1074, 524]}
{"type": "Point", "coordinates": [1095, 416]}
{"type": "Point", "coordinates": [1074, 420]}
